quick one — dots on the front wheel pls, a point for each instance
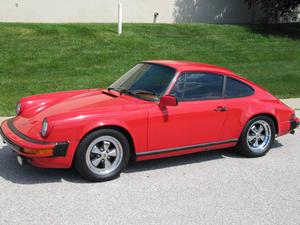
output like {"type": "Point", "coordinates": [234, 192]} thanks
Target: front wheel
{"type": "Point", "coordinates": [102, 155]}
{"type": "Point", "coordinates": [257, 137]}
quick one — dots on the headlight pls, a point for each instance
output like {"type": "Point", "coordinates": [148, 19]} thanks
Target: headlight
{"type": "Point", "coordinates": [18, 108]}
{"type": "Point", "coordinates": [44, 127]}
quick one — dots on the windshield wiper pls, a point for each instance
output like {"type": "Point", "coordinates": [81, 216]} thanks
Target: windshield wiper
{"type": "Point", "coordinates": [122, 91]}
{"type": "Point", "coordinates": [113, 89]}
{"type": "Point", "coordinates": [127, 91]}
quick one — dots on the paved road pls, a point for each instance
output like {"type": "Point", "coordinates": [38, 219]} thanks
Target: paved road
{"type": "Point", "coordinates": [219, 187]}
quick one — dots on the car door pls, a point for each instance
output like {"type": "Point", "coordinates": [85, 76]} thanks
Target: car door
{"type": "Point", "coordinates": [239, 102]}
{"type": "Point", "coordinates": [198, 117]}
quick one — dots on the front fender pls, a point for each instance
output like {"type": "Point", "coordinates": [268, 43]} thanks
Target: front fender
{"type": "Point", "coordinates": [102, 123]}
{"type": "Point", "coordinates": [75, 128]}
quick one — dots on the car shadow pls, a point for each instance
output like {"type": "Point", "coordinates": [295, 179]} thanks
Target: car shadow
{"type": "Point", "coordinates": [11, 171]}
{"type": "Point", "coordinates": [155, 164]}
{"type": "Point", "coordinates": [276, 144]}
{"type": "Point", "coordinates": [134, 167]}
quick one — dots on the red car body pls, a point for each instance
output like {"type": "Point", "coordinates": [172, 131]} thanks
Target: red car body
{"type": "Point", "coordinates": [192, 126]}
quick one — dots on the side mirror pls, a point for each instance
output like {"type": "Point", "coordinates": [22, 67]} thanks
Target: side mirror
{"type": "Point", "coordinates": [168, 100]}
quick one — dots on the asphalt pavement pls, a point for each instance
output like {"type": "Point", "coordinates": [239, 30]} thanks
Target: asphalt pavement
{"type": "Point", "coordinates": [217, 187]}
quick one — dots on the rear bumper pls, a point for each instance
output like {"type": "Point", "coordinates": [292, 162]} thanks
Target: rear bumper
{"type": "Point", "coordinates": [294, 123]}
{"type": "Point", "coordinates": [62, 151]}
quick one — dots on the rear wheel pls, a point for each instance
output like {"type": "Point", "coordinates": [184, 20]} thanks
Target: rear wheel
{"type": "Point", "coordinates": [257, 137]}
{"type": "Point", "coordinates": [102, 155]}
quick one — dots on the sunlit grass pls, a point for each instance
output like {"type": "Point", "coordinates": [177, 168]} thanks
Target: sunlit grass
{"type": "Point", "coordinates": [38, 58]}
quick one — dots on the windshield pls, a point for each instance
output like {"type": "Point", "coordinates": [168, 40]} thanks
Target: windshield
{"type": "Point", "coordinates": [148, 81]}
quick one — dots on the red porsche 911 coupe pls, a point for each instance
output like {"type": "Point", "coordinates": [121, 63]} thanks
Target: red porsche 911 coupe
{"type": "Point", "coordinates": [157, 109]}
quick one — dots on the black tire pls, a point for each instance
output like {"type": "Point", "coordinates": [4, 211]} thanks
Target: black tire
{"type": "Point", "coordinates": [243, 145]}
{"type": "Point", "coordinates": [81, 163]}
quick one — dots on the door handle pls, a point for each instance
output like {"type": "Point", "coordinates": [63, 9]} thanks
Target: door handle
{"type": "Point", "coordinates": [221, 109]}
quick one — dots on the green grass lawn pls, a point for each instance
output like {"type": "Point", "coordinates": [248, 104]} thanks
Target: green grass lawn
{"type": "Point", "coordinates": [38, 58]}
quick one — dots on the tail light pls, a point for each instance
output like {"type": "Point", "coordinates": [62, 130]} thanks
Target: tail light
{"type": "Point", "coordinates": [293, 116]}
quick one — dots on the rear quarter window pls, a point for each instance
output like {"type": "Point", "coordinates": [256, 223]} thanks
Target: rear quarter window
{"type": "Point", "coordinates": [236, 88]}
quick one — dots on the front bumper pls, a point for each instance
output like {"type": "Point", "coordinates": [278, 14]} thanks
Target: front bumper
{"type": "Point", "coordinates": [20, 143]}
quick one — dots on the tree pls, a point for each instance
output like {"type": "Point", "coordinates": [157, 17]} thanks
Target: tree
{"type": "Point", "coordinates": [276, 9]}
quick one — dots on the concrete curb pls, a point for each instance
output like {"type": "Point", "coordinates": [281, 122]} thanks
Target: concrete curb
{"type": "Point", "coordinates": [3, 118]}
{"type": "Point", "coordinates": [292, 102]}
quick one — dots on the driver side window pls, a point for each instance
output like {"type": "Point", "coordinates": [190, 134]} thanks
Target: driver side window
{"type": "Point", "coordinates": [198, 86]}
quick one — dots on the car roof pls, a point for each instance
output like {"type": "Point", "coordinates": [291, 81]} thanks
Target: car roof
{"type": "Point", "coordinates": [181, 66]}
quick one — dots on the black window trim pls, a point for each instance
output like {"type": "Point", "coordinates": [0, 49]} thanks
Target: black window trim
{"type": "Point", "coordinates": [224, 86]}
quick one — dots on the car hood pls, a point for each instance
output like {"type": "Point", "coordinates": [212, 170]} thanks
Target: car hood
{"type": "Point", "coordinates": [65, 105]}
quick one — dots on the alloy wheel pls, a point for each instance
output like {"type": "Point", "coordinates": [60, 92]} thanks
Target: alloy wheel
{"type": "Point", "coordinates": [104, 155]}
{"type": "Point", "coordinates": [259, 136]}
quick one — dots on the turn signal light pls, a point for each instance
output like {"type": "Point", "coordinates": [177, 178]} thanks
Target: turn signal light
{"type": "Point", "coordinates": [39, 152]}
